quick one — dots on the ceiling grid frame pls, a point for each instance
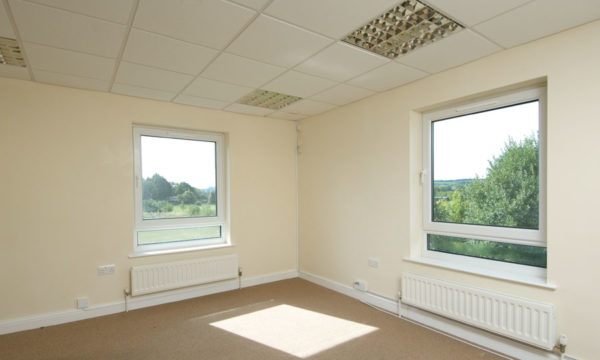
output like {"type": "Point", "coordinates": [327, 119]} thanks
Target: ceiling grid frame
{"type": "Point", "coordinates": [340, 88]}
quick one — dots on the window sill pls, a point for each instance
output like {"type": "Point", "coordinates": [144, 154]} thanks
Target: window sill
{"type": "Point", "coordinates": [532, 281]}
{"type": "Point", "coordinates": [176, 251]}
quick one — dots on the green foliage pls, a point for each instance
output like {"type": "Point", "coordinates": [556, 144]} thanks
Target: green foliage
{"type": "Point", "coordinates": [508, 196]}
{"type": "Point", "coordinates": [202, 196]}
{"type": "Point", "coordinates": [183, 187]}
{"type": "Point", "coordinates": [153, 206]}
{"type": "Point", "coordinates": [162, 199]}
{"type": "Point", "coordinates": [194, 210]}
{"type": "Point", "coordinates": [167, 207]}
{"type": "Point", "coordinates": [188, 197]}
{"type": "Point", "coordinates": [156, 188]}
{"type": "Point", "coordinates": [513, 253]}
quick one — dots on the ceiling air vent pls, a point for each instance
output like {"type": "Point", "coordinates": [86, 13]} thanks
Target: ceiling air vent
{"type": "Point", "coordinates": [406, 27]}
{"type": "Point", "coordinates": [268, 99]}
{"type": "Point", "coordinates": [10, 52]}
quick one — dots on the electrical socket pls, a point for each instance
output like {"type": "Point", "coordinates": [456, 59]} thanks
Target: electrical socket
{"type": "Point", "coordinates": [82, 302]}
{"type": "Point", "coordinates": [106, 269]}
{"type": "Point", "coordinates": [360, 285]}
{"type": "Point", "coordinates": [373, 262]}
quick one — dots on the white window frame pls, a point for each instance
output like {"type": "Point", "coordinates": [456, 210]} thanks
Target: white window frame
{"type": "Point", "coordinates": [180, 223]}
{"type": "Point", "coordinates": [482, 232]}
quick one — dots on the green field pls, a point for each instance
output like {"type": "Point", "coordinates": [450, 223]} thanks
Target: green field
{"type": "Point", "coordinates": [185, 234]}
{"type": "Point", "coordinates": [512, 253]}
{"type": "Point", "coordinates": [181, 211]}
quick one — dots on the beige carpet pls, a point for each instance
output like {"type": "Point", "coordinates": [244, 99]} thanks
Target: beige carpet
{"type": "Point", "coordinates": [291, 319]}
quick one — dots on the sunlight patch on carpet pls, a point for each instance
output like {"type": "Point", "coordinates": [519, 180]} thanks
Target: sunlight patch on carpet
{"type": "Point", "coordinates": [293, 330]}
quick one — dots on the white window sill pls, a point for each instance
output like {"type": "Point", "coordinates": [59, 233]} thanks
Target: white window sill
{"type": "Point", "coordinates": [177, 250]}
{"type": "Point", "coordinates": [532, 281]}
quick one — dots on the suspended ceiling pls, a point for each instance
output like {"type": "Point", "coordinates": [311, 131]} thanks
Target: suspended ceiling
{"type": "Point", "coordinates": [212, 53]}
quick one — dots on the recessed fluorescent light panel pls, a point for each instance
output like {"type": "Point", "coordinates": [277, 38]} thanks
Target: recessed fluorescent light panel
{"type": "Point", "coordinates": [10, 52]}
{"type": "Point", "coordinates": [268, 99]}
{"type": "Point", "coordinates": [406, 27]}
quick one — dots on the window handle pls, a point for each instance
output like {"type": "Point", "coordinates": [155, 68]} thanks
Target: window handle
{"type": "Point", "coordinates": [423, 176]}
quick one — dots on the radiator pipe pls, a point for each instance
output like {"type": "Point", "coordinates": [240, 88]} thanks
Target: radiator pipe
{"type": "Point", "coordinates": [126, 292]}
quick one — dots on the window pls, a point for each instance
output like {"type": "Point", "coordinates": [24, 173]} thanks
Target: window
{"type": "Point", "coordinates": [484, 182]}
{"type": "Point", "coordinates": [179, 189]}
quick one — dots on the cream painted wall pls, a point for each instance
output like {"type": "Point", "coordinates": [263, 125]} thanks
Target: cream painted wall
{"type": "Point", "coordinates": [66, 175]}
{"type": "Point", "coordinates": [360, 196]}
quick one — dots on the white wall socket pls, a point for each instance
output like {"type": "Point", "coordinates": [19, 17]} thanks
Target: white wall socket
{"type": "Point", "coordinates": [373, 262]}
{"type": "Point", "coordinates": [82, 303]}
{"type": "Point", "coordinates": [106, 269]}
{"type": "Point", "coordinates": [360, 285]}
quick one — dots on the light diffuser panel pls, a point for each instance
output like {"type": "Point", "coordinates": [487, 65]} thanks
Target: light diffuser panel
{"type": "Point", "coordinates": [404, 28]}
{"type": "Point", "coordinates": [10, 52]}
{"type": "Point", "coordinates": [268, 99]}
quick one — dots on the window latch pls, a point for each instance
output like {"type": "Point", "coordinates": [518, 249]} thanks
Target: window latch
{"type": "Point", "coordinates": [423, 176]}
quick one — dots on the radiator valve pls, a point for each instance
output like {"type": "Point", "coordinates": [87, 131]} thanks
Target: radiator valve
{"type": "Point", "coordinates": [562, 343]}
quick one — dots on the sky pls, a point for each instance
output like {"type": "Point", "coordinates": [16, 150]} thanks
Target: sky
{"type": "Point", "coordinates": [463, 145]}
{"type": "Point", "coordinates": [179, 160]}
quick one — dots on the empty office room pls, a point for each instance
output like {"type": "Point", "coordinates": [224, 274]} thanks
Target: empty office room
{"type": "Point", "coordinates": [286, 179]}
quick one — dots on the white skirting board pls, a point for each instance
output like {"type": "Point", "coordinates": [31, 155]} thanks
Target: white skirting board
{"type": "Point", "coordinates": [49, 319]}
{"type": "Point", "coordinates": [367, 297]}
{"type": "Point", "coordinates": [448, 327]}
{"type": "Point", "coordinates": [461, 332]}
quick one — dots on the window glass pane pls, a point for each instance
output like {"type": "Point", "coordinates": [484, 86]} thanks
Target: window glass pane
{"type": "Point", "coordinates": [485, 168]}
{"type": "Point", "coordinates": [492, 250]}
{"type": "Point", "coordinates": [176, 235]}
{"type": "Point", "coordinates": [178, 178]}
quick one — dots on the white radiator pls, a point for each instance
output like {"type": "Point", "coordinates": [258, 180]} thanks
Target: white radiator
{"type": "Point", "coordinates": [528, 321]}
{"type": "Point", "coordinates": [147, 279]}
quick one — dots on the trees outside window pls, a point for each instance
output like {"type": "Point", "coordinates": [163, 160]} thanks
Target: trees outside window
{"type": "Point", "coordinates": [484, 191]}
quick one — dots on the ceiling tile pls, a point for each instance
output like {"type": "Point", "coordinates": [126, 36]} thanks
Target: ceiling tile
{"type": "Point", "coordinates": [387, 77]}
{"type": "Point", "coordinates": [15, 72]}
{"type": "Point", "coordinates": [275, 42]}
{"type": "Point", "coordinates": [341, 62]}
{"type": "Point", "coordinates": [286, 116]}
{"type": "Point", "coordinates": [342, 94]}
{"type": "Point", "coordinates": [111, 10]}
{"type": "Point", "coordinates": [308, 107]}
{"type": "Point", "coordinates": [166, 53]}
{"type": "Point", "coordinates": [58, 28]}
{"type": "Point", "coordinates": [241, 71]}
{"type": "Point", "coordinates": [69, 62]}
{"type": "Point", "coordinates": [471, 12]}
{"type": "Point", "coordinates": [216, 90]}
{"type": "Point", "coordinates": [6, 29]}
{"type": "Point", "coordinates": [212, 23]}
{"type": "Point", "coordinates": [152, 78]}
{"type": "Point", "coordinates": [538, 19]}
{"type": "Point", "coordinates": [298, 84]}
{"type": "Point", "coordinates": [333, 18]}
{"type": "Point", "coordinates": [200, 101]}
{"type": "Point", "coordinates": [255, 4]}
{"type": "Point", "coordinates": [125, 89]}
{"type": "Point", "coordinates": [70, 80]}
{"type": "Point", "coordinates": [457, 49]}
{"type": "Point", "coordinates": [250, 110]}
